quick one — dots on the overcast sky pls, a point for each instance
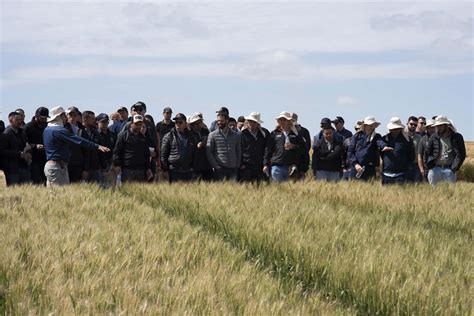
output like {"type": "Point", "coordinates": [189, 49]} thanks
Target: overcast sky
{"type": "Point", "coordinates": [317, 59]}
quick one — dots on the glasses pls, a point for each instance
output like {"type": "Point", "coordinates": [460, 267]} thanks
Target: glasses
{"type": "Point", "coordinates": [412, 124]}
{"type": "Point", "coordinates": [423, 123]}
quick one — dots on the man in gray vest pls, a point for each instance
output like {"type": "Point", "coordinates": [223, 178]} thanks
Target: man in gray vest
{"type": "Point", "coordinates": [224, 150]}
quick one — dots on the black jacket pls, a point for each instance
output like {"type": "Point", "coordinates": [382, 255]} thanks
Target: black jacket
{"type": "Point", "coordinates": [327, 159]}
{"type": "Point", "coordinates": [93, 163]}
{"type": "Point", "coordinates": [305, 134]}
{"type": "Point", "coordinates": [174, 157]}
{"type": "Point", "coordinates": [433, 151]}
{"type": "Point", "coordinates": [131, 151]}
{"type": "Point", "coordinates": [401, 158]}
{"type": "Point", "coordinates": [80, 156]}
{"type": "Point", "coordinates": [275, 153]}
{"type": "Point", "coordinates": [11, 145]}
{"type": "Point", "coordinates": [108, 140]}
{"type": "Point", "coordinates": [253, 149]}
{"type": "Point", "coordinates": [34, 136]}
{"type": "Point", "coordinates": [200, 162]}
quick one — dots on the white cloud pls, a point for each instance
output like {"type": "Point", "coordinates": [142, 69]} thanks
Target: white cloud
{"type": "Point", "coordinates": [346, 100]}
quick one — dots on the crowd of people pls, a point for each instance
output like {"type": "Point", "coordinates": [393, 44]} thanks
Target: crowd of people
{"type": "Point", "coordinates": [59, 146]}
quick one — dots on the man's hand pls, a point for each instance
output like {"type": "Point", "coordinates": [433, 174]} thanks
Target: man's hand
{"type": "Point", "coordinates": [289, 146]}
{"type": "Point", "coordinates": [385, 149]}
{"type": "Point", "coordinates": [201, 145]}
{"type": "Point", "coordinates": [103, 149]}
{"type": "Point", "coordinates": [266, 171]}
{"type": "Point", "coordinates": [85, 175]}
{"type": "Point", "coordinates": [149, 174]}
{"type": "Point", "coordinates": [358, 168]}
{"type": "Point", "coordinates": [39, 147]}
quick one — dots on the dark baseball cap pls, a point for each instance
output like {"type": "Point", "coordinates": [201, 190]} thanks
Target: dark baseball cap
{"type": "Point", "coordinates": [102, 117]}
{"type": "Point", "coordinates": [73, 109]}
{"type": "Point", "coordinates": [179, 117]}
{"type": "Point", "coordinates": [139, 105]}
{"type": "Point", "coordinates": [122, 109]}
{"type": "Point", "coordinates": [167, 110]}
{"type": "Point", "coordinates": [325, 121]}
{"type": "Point", "coordinates": [223, 110]}
{"type": "Point", "coordinates": [42, 111]}
{"type": "Point", "coordinates": [338, 119]}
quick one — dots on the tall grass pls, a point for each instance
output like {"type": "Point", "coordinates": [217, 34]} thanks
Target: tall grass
{"type": "Point", "coordinates": [86, 251]}
{"type": "Point", "coordinates": [382, 250]}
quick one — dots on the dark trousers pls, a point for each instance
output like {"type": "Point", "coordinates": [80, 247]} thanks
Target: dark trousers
{"type": "Point", "coordinates": [133, 175]}
{"type": "Point", "coordinates": [37, 172]}
{"type": "Point", "coordinates": [180, 175]}
{"type": "Point", "coordinates": [414, 174]}
{"type": "Point", "coordinates": [394, 180]}
{"type": "Point", "coordinates": [225, 174]}
{"type": "Point", "coordinates": [251, 174]}
{"type": "Point", "coordinates": [204, 175]}
{"type": "Point", "coordinates": [75, 173]}
{"type": "Point", "coordinates": [22, 176]}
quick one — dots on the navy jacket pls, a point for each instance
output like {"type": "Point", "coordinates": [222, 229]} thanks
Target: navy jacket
{"type": "Point", "coordinates": [11, 145]}
{"type": "Point", "coordinates": [401, 158]}
{"type": "Point", "coordinates": [58, 141]}
{"type": "Point", "coordinates": [325, 159]}
{"type": "Point", "coordinates": [364, 151]}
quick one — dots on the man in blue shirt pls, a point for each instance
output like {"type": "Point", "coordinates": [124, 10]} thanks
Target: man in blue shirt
{"type": "Point", "coordinates": [57, 142]}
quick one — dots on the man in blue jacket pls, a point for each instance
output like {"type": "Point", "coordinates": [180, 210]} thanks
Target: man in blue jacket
{"type": "Point", "coordinates": [398, 156]}
{"type": "Point", "coordinates": [57, 142]}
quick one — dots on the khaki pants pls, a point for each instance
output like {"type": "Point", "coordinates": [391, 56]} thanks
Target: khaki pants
{"type": "Point", "coordinates": [56, 173]}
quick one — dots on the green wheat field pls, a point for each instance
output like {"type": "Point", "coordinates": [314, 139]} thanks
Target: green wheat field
{"type": "Point", "coordinates": [223, 248]}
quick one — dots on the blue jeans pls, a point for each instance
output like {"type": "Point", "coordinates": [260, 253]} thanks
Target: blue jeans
{"type": "Point", "coordinates": [414, 173]}
{"type": "Point", "coordinates": [394, 180]}
{"type": "Point", "coordinates": [280, 173]}
{"type": "Point", "coordinates": [330, 176]}
{"type": "Point", "coordinates": [439, 174]}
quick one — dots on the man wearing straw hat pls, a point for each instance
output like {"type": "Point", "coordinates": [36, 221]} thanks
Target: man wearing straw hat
{"type": "Point", "coordinates": [57, 145]}
{"type": "Point", "coordinates": [445, 152]}
{"type": "Point", "coordinates": [254, 140]}
{"type": "Point", "coordinates": [396, 162]}
{"type": "Point", "coordinates": [363, 153]}
{"type": "Point", "coordinates": [286, 155]}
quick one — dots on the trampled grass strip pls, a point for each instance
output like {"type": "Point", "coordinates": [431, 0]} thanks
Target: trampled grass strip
{"type": "Point", "coordinates": [437, 282]}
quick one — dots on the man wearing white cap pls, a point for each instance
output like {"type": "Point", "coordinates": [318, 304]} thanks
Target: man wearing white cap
{"type": "Point", "coordinates": [420, 151]}
{"type": "Point", "coordinates": [363, 153]}
{"type": "Point", "coordinates": [57, 145]}
{"type": "Point", "coordinates": [444, 153]}
{"type": "Point", "coordinates": [132, 154]}
{"type": "Point", "coordinates": [286, 154]}
{"type": "Point", "coordinates": [396, 162]}
{"type": "Point", "coordinates": [254, 141]}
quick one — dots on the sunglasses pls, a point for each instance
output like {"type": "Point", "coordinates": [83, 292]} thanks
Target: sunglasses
{"type": "Point", "coordinates": [412, 124]}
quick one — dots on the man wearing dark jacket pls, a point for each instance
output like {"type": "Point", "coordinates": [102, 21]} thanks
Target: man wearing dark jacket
{"type": "Point", "coordinates": [254, 141]}
{"type": "Point", "coordinates": [302, 131]}
{"type": "Point", "coordinates": [201, 166]}
{"type": "Point", "coordinates": [445, 152]}
{"type": "Point", "coordinates": [93, 168]}
{"type": "Point", "coordinates": [108, 139]}
{"type": "Point", "coordinates": [34, 135]}
{"type": "Point", "coordinates": [399, 154]}
{"type": "Point", "coordinates": [286, 154]}
{"type": "Point", "coordinates": [364, 150]}
{"type": "Point", "coordinates": [327, 157]}
{"type": "Point", "coordinates": [15, 152]}
{"type": "Point", "coordinates": [80, 155]}
{"type": "Point", "coordinates": [178, 148]}
{"type": "Point", "coordinates": [131, 153]}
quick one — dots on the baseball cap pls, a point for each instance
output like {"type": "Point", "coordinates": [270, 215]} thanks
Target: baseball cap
{"type": "Point", "coordinates": [325, 121]}
{"type": "Point", "coordinates": [102, 117]}
{"type": "Point", "coordinates": [42, 111]}
{"type": "Point", "coordinates": [73, 109]}
{"type": "Point", "coordinates": [223, 109]}
{"type": "Point", "coordinates": [179, 117]}
{"type": "Point", "coordinates": [122, 109]}
{"type": "Point", "coordinates": [137, 118]}
{"type": "Point", "coordinates": [338, 119]}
